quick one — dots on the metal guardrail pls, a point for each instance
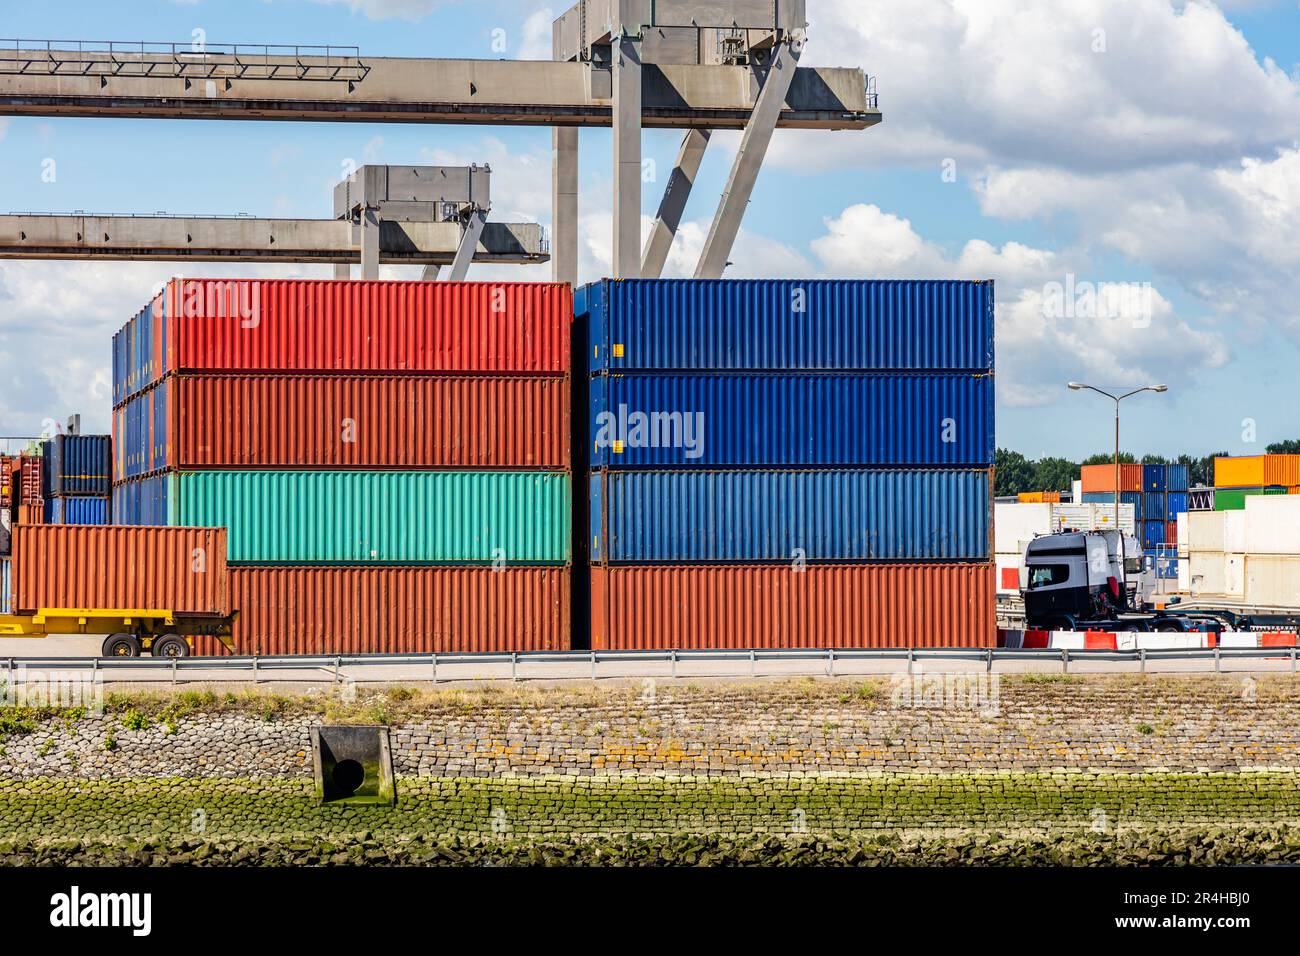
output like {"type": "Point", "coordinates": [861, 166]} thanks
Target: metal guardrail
{"type": "Point", "coordinates": [192, 60]}
{"type": "Point", "coordinates": [255, 668]}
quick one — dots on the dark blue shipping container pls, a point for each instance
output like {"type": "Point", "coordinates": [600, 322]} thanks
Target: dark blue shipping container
{"type": "Point", "coordinates": [141, 502]}
{"type": "Point", "coordinates": [710, 516]}
{"type": "Point", "coordinates": [135, 365]}
{"type": "Point", "coordinates": [791, 420]}
{"type": "Point", "coordinates": [1153, 477]}
{"type": "Point", "coordinates": [77, 509]}
{"type": "Point", "coordinates": [1153, 506]}
{"type": "Point", "coordinates": [1177, 478]}
{"type": "Point", "coordinates": [1134, 498]}
{"type": "Point", "coordinates": [1153, 535]}
{"type": "Point", "coordinates": [1175, 504]}
{"type": "Point", "coordinates": [787, 324]}
{"type": "Point", "coordinates": [78, 465]}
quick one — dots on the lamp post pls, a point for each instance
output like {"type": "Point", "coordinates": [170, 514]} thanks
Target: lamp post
{"type": "Point", "coordinates": [1079, 386]}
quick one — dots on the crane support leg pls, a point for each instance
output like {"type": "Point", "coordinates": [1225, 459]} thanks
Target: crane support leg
{"type": "Point", "coordinates": [369, 244]}
{"type": "Point", "coordinates": [564, 204]}
{"type": "Point", "coordinates": [430, 273]}
{"type": "Point", "coordinates": [468, 243]}
{"type": "Point", "coordinates": [627, 157]}
{"type": "Point", "coordinates": [673, 204]}
{"type": "Point", "coordinates": [744, 170]}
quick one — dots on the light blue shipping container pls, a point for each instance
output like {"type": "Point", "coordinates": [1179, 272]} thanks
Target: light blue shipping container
{"type": "Point", "coordinates": [737, 420]}
{"type": "Point", "coordinates": [1177, 478]}
{"type": "Point", "coordinates": [787, 324]}
{"type": "Point", "coordinates": [141, 502]}
{"type": "Point", "coordinates": [710, 516]}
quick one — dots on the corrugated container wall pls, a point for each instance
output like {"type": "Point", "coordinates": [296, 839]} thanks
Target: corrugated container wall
{"type": "Point", "coordinates": [292, 325]}
{"type": "Point", "coordinates": [380, 517]}
{"type": "Point", "coordinates": [300, 610]}
{"type": "Point", "coordinates": [867, 605]}
{"type": "Point", "coordinates": [751, 324]}
{"type": "Point", "coordinates": [6, 587]}
{"type": "Point", "coordinates": [69, 566]}
{"type": "Point", "coordinates": [1097, 478]}
{"type": "Point", "coordinates": [773, 420]}
{"type": "Point", "coordinates": [78, 509]}
{"type": "Point", "coordinates": [1134, 498]}
{"type": "Point", "coordinates": [142, 501]}
{"type": "Point", "coordinates": [1256, 471]}
{"type": "Point", "coordinates": [830, 516]}
{"type": "Point", "coordinates": [1153, 478]}
{"type": "Point", "coordinates": [78, 465]}
{"type": "Point", "coordinates": [358, 421]}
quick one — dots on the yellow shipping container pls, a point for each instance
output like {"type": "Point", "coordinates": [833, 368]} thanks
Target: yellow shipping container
{"type": "Point", "coordinates": [1257, 471]}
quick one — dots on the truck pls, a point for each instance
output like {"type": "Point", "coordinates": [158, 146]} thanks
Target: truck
{"type": "Point", "coordinates": [146, 589]}
{"type": "Point", "coordinates": [1098, 580]}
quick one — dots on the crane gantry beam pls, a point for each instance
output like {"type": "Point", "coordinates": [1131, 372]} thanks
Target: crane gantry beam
{"type": "Point", "coordinates": [44, 82]}
{"type": "Point", "coordinates": [244, 239]}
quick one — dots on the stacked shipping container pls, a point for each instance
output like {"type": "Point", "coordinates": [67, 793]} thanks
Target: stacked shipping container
{"type": "Point", "coordinates": [788, 463]}
{"type": "Point", "coordinates": [391, 458]}
{"type": "Point", "coordinates": [77, 479]}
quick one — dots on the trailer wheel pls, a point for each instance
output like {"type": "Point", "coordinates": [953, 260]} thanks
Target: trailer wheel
{"type": "Point", "coordinates": [121, 645]}
{"type": "Point", "coordinates": [171, 646]}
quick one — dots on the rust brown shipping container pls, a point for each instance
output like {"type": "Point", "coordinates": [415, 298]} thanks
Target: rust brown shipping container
{"type": "Point", "coordinates": [112, 567]}
{"type": "Point", "coordinates": [361, 610]}
{"type": "Point", "coordinates": [254, 421]}
{"type": "Point", "coordinates": [775, 606]}
{"type": "Point", "coordinates": [31, 514]}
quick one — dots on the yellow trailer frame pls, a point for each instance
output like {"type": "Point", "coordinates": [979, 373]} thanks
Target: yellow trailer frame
{"type": "Point", "coordinates": [145, 624]}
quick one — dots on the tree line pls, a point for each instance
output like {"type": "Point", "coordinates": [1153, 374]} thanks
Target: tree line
{"type": "Point", "coordinates": [1016, 473]}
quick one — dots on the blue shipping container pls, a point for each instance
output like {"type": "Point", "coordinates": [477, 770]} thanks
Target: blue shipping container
{"type": "Point", "coordinates": [1153, 506]}
{"type": "Point", "coordinates": [6, 587]}
{"type": "Point", "coordinates": [77, 509]}
{"type": "Point", "coordinates": [1175, 504]}
{"type": "Point", "coordinates": [1153, 477]}
{"type": "Point", "coordinates": [705, 516]}
{"type": "Point", "coordinates": [787, 324]}
{"type": "Point", "coordinates": [790, 420]}
{"type": "Point", "coordinates": [141, 502]}
{"type": "Point", "coordinates": [1153, 534]}
{"type": "Point", "coordinates": [78, 465]}
{"type": "Point", "coordinates": [1177, 478]}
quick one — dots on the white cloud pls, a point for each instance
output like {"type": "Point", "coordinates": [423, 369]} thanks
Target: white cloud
{"type": "Point", "coordinates": [536, 43]}
{"type": "Point", "coordinates": [1001, 81]}
{"type": "Point", "coordinates": [412, 10]}
{"type": "Point", "coordinates": [1133, 334]}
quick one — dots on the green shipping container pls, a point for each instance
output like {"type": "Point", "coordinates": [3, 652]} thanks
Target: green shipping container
{"type": "Point", "coordinates": [1234, 499]}
{"type": "Point", "coordinates": [380, 517]}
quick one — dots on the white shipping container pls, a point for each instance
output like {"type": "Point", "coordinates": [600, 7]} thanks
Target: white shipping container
{"type": "Point", "coordinates": [1010, 572]}
{"type": "Point", "coordinates": [1181, 521]}
{"type": "Point", "coordinates": [1271, 525]}
{"type": "Point", "coordinates": [1215, 574]}
{"type": "Point", "coordinates": [1205, 531]}
{"type": "Point", "coordinates": [1234, 532]}
{"type": "Point", "coordinates": [1091, 516]}
{"type": "Point", "coordinates": [1273, 579]}
{"type": "Point", "coordinates": [1234, 575]}
{"type": "Point", "coordinates": [1015, 524]}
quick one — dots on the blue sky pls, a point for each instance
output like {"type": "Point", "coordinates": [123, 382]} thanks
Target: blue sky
{"type": "Point", "coordinates": [1123, 165]}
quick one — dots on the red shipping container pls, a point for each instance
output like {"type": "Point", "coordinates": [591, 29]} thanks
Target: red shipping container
{"type": "Point", "coordinates": [1102, 477]}
{"type": "Point", "coordinates": [110, 567]}
{"type": "Point", "coordinates": [1171, 532]}
{"type": "Point", "coordinates": [279, 421]}
{"type": "Point", "coordinates": [775, 606]}
{"type": "Point", "coordinates": [332, 610]}
{"type": "Point", "coordinates": [327, 325]}
{"type": "Point", "coordinates": [29, 479]}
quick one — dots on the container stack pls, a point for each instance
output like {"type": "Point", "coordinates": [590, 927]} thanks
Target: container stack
{"type": "Point", "coordinates": [391, 458]}
{"type": "Point", "coordinates": [1242, 477]}
{"type": "Point", "coordinates": [25, 489]}
{"type": "Point", "coordinates": [77, 479]}
{"type": "Point", "coordinates": [788, 463]}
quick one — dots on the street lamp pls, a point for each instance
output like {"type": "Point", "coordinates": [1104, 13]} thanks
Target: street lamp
{"type": "Point", "coordinates": [1079, 386]}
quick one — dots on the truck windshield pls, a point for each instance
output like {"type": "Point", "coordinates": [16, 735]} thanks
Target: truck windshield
{"type": "Point", "coordinates": [1042, 575]}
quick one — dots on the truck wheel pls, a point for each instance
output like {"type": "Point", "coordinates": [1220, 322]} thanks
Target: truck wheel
{"type": "Point", "coordinates": [171, 646]}
{"type": "Point", "coordinates": [121, 645]}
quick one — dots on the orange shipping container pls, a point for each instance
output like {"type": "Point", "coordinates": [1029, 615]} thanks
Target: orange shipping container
{"type": "Point", "coordinates": [31, 514]}
{"type": "Point", "coordinates": [743, 606]}
{"type": "Point", "coordinates": [1256, 471]}
{"type": "Point", "coordinates": [350, 610]}
{"type": "Point", "coordinates": [110, 567]}
{"type": "Point", "coordinates": [1102, 477]}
